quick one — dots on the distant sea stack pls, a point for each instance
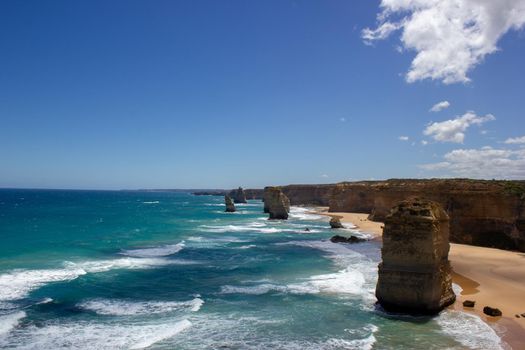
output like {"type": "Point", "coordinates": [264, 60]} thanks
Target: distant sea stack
{"type": "Point", "coordinates": [230, 207]}
{"type": "Point", "coordinates": [415, 273]}
{"type": "Point", "coordinates": [277, 204]}
{"type": "Point", "coordinates": [238, 196]}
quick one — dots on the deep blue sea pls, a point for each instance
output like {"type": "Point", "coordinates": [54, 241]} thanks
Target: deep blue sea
{"type": "Point", "coordinates": [163, 270]}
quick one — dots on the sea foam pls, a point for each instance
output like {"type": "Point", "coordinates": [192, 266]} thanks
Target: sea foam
{"type": "Point", "coordinates": [154, 251]}
{"type": "Point", "coordinates": [94, 335]}
{"type": "Point", "coordinates": [16, 284]}
{"type": "Point", "coordinates": [10, 321]}
{"type": "Point", "coordinates": [111, 307]}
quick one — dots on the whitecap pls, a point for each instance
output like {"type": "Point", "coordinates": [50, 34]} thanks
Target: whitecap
{"type": "Point", "coordinates": [151, 202]}
{"type": "Point", "coordinates": [95, 335]}
{"type": "Point", "coordinates": [303, 213]}
{"type": "Point", "coordinates": [469, 330]}
{"type": "Point", "coordinates": [111, 307]}
{"type": "Point", "coordinates": [16, 284]}
{"type": "Point", "coordinates": [154, 251]}
{"type": "Point", "coordinates": [10, 321]}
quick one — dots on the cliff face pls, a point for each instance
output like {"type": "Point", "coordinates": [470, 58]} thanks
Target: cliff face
{"type": "Point", "coordinates": [485, 213]}
{"type": "Point", "coordinates": [415, 273]}
{"type": "Point", "coordinates": [308, 194]}
{"type": "Point", "coordinates": [276, 203]}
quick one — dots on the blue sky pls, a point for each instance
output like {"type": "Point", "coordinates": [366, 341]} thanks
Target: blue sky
{"type": "Point", "coordinates": [216, 94]}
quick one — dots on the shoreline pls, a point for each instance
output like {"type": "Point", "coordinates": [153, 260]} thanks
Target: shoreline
{"type": "Point", "coordinates": [490, 277]}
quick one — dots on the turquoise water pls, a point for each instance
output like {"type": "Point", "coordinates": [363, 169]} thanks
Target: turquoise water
{"type": "Point", "coordinates": [160, 270]}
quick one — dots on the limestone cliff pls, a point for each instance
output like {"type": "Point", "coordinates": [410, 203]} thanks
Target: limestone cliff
{"type": "Point", "coordinates": [238, 195]}
{"type": "Point", "coordinates": [276, 203]}
{"type": "Point", "coordinates": [230, 207]}
{"type": "Point", "coordinates": [485, 213]}
{"type": "Point", "coordinates": [415, 273]}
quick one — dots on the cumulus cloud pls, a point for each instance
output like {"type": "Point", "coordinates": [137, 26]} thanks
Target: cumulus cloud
{"type": "Point", "coordinates": [515, 140]}
{"type": "Point", "coordinates": [453, 130]}
{"type": "Point", "coordinates": [449, 37]}
{"type": "Point", "coordinates": [403, 138]}
{"type": "Point", "coordinates": [324, 176]}
{"type": "Point", "coordinates": [486, 162]}
{"type": "Point", "coordinates": [440, 106]}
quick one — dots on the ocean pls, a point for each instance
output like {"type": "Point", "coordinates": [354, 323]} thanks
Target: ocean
{"type": "Point", "coordinates": [165, 270]}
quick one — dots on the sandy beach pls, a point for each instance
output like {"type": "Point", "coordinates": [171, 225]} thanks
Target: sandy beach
{"type": "Point", "coordinates": [490, 277]}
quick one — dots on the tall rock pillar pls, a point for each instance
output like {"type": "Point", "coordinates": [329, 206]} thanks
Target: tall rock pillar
{"type": "Point", "coordinates": [415, 273]}
{"type": "Point", "coordinates": [276, 203]}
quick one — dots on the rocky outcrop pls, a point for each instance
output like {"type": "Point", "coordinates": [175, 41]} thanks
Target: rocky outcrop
{"type": "Point", "coordinates": [485, 213]}
{"type": "Point", "coordinates": [335, 222]}
{"type": "Point", "coordinates": [415, 273]}
{"type": "Point", "coordinates": [351, 239]}
{"type": "Point", "coordinates": [492, 311]}
{"type": "Point", "coordinates": [230, 207]}
{"type": "Point", "coordinates": [238, 196]}
{"type": "Point", "coordinates": [276, 202]}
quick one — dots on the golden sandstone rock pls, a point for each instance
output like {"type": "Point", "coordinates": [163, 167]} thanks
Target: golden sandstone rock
{"type": "Point", "coordinates": [415, 273]}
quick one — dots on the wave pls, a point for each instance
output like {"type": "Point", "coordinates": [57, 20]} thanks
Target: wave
{"type": "Point", "coordinates": [154, 251]}
{"type": "Point", "coordinates": [111, 307]}
{"type": "Point", "coordinates": [349, 281]}
{"type": "Point", "coordinates": [469, 330]}
{"type": "Point", "coordinates": [95, 335]}
{"type": "Point", "coordinates": [302, 213]}
{"type": "Point", "coordinates": [250, 227]}
{"type": "Point", "coordinates": [10, 321]}
{"type": "Point", "coordinates": [16, 284]}
{"type": "Point", "coordinates": [151, 202]}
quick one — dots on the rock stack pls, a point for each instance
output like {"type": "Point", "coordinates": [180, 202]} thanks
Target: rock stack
{"type": "Point", "coordinates": [238, 196]}
{"type": "Point", "coordinates": [277, 204]}
{"type": "Point", "coordinates": [230, 207]}
{"type": "Point", "coordinates": [335, 222]}
{"type": "Point", "coordinates": [415, 273]}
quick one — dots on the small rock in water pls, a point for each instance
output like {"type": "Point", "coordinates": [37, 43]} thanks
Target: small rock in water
{"type": "Point", "coordinates": [341, 239]}
{"type": "Point", "coordinates": [335, 222]}
{"type": "Point", "coordinates": [307, 230]}
{"type": "Point", "coordinates": [487, 310]}
{"type": "Point", "coordinates": [523, 314]}
{"type": "Point", "coordinates": [517, 316]}
{"type": "Point", "coordinates": [469, 303]}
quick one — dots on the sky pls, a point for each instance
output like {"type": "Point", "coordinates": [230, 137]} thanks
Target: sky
{"type": "Point", "coordinates": [128, 94]}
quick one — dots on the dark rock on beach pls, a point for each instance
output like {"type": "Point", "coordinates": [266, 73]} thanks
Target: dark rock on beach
{"type": "Point", "coordinates": [492, 311]}
{"type": "Point", "coordinates": [351, 239]}
{"type": "Point", "coordinates": [230, 207]}
{"type": "Point", "coordinates": [415, 273]}
{"type": "Point", "coordinates": [335, 222]}
{"type": "Point", "coordinates": [469, 303]}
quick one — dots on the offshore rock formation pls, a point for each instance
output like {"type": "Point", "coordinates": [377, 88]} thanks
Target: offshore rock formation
{"type": "Point", "coordinates": [335, 222]}
{"type": "Point", "coordinates": [230, 207]}
{"type": "Point", "coordinates": [276, 202]}
{"type": "Point", "coordinates": [415, 273]}
{"type": "Point", "coordinates": [482, 212]}
{"type": "Point", "coordinates": [238, 195]}
{"type": "Point", "coordinates": [351, 239]}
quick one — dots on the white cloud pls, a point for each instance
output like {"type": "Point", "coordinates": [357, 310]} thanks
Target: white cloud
{"type": "Point", "coordinates": [403, 138]}
{"type": "Point", "coordinates": [486, 162]}
{"type": "Point", "coordinates": [342, 119]}
{"type": "Point", "coordinates": [424, 143]}
{"type": "Point", "coordinates": [515, 140]}
{"type": "Point", "coordinates": [440, 106]}
{"type": "Point", "coordinates": [324, 175]}
{"type": "Point", "coordinates": [453, 130]}
{"type": "Point", "coordinates": [449, 37]}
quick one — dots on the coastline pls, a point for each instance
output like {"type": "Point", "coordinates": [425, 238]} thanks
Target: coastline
{"type": "Point", "coordinates": [491, 277]}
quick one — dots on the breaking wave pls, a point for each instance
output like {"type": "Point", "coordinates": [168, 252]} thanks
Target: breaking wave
{"type": "Point", "coordinates": [128, 308]}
